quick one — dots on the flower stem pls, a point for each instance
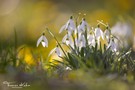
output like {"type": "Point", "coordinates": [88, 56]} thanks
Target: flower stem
{"type": "Point", "coordinates": [56, 41]}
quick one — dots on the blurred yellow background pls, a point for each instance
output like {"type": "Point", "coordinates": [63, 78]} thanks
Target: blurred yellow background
{"type": "Point", "coordinates": [30, 16]}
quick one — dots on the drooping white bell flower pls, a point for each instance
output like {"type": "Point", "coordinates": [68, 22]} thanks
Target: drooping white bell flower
{"type": "Point", "coordinates": [91, 40]}
{"type": "Point", "coordinates": [69, 26]}
{"type": "Point", "coordinates": [43, 41]}
{"type": "Point", "coordinates": [107, 34]}
{"type": "Point", "coordinates": [83, 26]}
{"type": "Point", "coordinates": [68, 40]}
{"type": "Point", "coordinates": [80, 31]}
{"type": "Point", "coordinates": [56, 50]}
{"type": "Point", "coordinates": [65, 39]}
{"type": "Point", "coordinates": [82, 41]}
{"type": "Point", "coordinates": [112, 45]}
{"type": "Point", "coordinates": [99, 33]}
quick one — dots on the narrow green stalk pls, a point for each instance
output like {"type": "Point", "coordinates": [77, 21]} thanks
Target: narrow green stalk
{"type": "Point", "coordinates": [74, 41]}
{"type": "Point", "coordinates": [56, 41]}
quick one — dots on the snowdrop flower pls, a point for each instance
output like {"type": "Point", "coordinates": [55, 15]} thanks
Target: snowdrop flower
{"type": "Point", "coordinates": [99, 33]}
{"type": "Point", "coordinates": [107, 34]}
{"type": "Point", "coordinates": [83, 26]}
{"type": "Point", "coordinates": [43, 41]}
{"type": "Point", "coordinates": [69, 26]}
{"type": "Point", "coordinates": [56, 50]}
{"type": "Point", "coordinates": [91, 40]}
{"type": "Point", "coordinates": [82, 41]}
{"type": "Point", "coordinates": [112, 45]}
{"type": "Point", "coordinates": [67, 40]}
{"type": "Point", "coordinates": [80, 31]}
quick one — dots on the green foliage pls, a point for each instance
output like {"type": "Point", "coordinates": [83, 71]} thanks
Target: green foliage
{"type": "Point", "coordinates": [101, 58]}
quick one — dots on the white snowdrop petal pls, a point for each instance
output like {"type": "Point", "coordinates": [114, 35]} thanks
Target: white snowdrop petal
{"type": "Point", "coordinates": [43, 44]}
{"type": "Point", "coordinates": [57, 50]}
{"type": "Point", "coordinates": [71, 43]}
{"type": "Point", "coordinates": [70, 32]}
{"type": "Point", "coordinates": [84, 25]}
{"type": "Point", "coordinates": [83, 41]}
{"type": "Point", "coordinates": [67, 42]}
{"type": "Point", "coordinates": [91, 40]}
{"type": "Point", "coordinates": [79, 30]}
{"type": "Point", "coordinates": [62, 28]}
{"type": "Point", "coordinates": [51, 52]}
{"type": "Point", "coordinates": [93, 43]}
{"type": "Point", "coordinates": [112, 46]}
{"type": "Point", "coordinates": [107, 35]}
{"type": "Point", "coordinates": [99, 33]}
{"type": "Point", "coordinates": [72, 24]}
{"type": "Point", "coordinates": [90, 37]}
{"type": "Point", "coordinates": [39, 40]}
{"type": "Point", "coordinates": [75, 31]}
{"type": "Point", "coordinates": [64, 39]}
{"type": "Point", "coordinates": [45, 40]}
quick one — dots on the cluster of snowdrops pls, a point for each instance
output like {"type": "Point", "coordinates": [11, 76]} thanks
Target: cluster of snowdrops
{"type": "Point", "coordinates": [89, 47]}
